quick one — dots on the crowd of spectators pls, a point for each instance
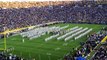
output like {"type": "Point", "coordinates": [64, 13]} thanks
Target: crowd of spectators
{"type": "Point", "coordinates": [87, 47]}
{"type": "Point", "coordinates": [4, 56]}
{"type": "Point", "coordinates": [101, 53]}
{"type": "Point", "coordinates": [88, 12]}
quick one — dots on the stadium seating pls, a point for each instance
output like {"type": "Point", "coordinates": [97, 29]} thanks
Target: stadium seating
{"type": "Point", "coordinates": [4, 56]}
{"type": "Point", "coordinates": [92, 41]}
{"type": "Point", "coordinates": [101, 53]}
{"type": "Point", "coordinates": [78, 12]}
{"type": "Point", "coordinates": [21, 17]}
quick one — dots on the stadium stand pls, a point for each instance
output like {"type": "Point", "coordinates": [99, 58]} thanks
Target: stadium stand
{"type": "Point", "coordinates": [101, 53]}
{"type": "Point", "coordinates": [3, 56]}
{"type": "Point", "coordinates": [87, 12]}
{"type": "Point", "coordinates": [64, 12]}
{"type": "Point", "coordinates": [91, 43]}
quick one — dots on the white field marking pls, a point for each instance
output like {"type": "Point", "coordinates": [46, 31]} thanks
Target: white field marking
{"type": "Point", "coordinates": [72, 40]}
{"type": "Point", "coordinates": [33, 58]}
{"type": "Point", "coordinates": [57, 48]}
{"type": "Point", "coordinates": [10, 49]}
{"type": "Point", "coordinates": [48, 54]}
{"type": "Point", "coordinates": [12, 39]}
{"type": "Point", "coordinates": [41, 44]}
{"type": "Point", "coordinates": [23, 40]}
{"type": "Point", "coordinates": [65, 44]}
{"type": "Point", "coordinates": [1, 42]}
{"type": "Point", "coordinates": [60, 59]}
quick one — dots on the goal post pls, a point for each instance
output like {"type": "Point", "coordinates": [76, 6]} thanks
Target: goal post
{"type": "Point", "coordinates": [5, 46]}
{"type": "Point", "coordinates": [10, 31]}
{"type": "Point", "coordinates": [104, 39]}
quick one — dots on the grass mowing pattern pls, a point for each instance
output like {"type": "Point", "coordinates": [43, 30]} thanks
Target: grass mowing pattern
{"type": "Point", "coordinates": [51, 50]}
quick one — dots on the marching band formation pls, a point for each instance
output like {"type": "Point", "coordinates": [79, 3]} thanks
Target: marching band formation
{"type": "Point", "coordinates": [74, 32]}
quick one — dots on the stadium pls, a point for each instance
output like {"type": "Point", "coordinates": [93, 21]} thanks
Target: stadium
{"type": "Point", "coordinates": [53, 30]}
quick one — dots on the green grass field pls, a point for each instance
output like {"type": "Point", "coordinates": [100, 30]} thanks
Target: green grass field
{"type": "Point", "coordinates": [41, 50]}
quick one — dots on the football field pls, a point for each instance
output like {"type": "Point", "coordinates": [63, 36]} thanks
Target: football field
{"type": "Point", "coordinates": [53, 49]}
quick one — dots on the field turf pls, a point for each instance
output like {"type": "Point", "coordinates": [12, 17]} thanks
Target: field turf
{"type": "Point", "coordinates": [41, 50]}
